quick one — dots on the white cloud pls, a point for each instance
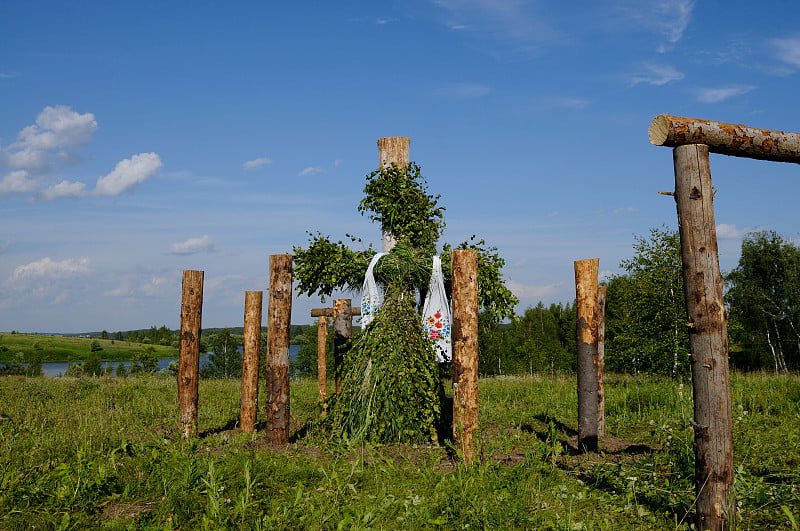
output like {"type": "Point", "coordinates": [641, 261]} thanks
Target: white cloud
{"type": "Point", "coordinates": [17, 182]}
{"type": "Point", "coordinates": [624, 210]}
{"type": "Point", "coordinates": [256, 163]}
{"type": "Point", "coordinates": [571, 103]}
{"type": "Point", "coordinates": [8, 75]}
{"type": "Point", "coordinates": [47, 268]}
{"type": "Point", "coordinates": [524, 291]}
{"type": "Point", "coordinates": [128, 173]}
{"type": "Point", "coordinates": [153, 286]}
{"type": "Point", "coordinates": [193, 246]}
{"type": "Point", "coordinates": [465, 91]}
{"type": "Point", "coordinates": [62, 189]}
{"type": "Point", "coordinates": [727, 231]}
{"type": "Point", "coordinates": [716, 95]}
{"type": "Point", "coordinates": [674, 16]}
{"type": "Point", "coordinates": [521, 25]}
{"type": "Point", "coordinates": [788, 50]}
{"type": "Point", "coordinates": [310, 170]}
{"type": "Point", "coordinates": [657, 75]}
{"type": "Point", "coordinates": [58, 134]}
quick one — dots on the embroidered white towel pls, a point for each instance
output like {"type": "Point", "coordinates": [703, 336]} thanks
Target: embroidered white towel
{"type": "Point", "coordinates": [371, 296]}
{"type": "Point", "coordinates": [436, 314]}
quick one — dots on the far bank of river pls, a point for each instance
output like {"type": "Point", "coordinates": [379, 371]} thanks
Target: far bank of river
{"type": "Point", "coordinates": [59, 368]}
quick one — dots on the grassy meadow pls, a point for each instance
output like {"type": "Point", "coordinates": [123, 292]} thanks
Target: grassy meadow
{"type": "Point", "coordinates": [104, 453]}
{"type": "Point", "coordinates": [64, 348]}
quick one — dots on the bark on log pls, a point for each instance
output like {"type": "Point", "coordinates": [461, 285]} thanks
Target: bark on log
{"type": "Point", "coordinates": [189, 351]}
{"type": "Point", "coordinates": [465, 350]}
{"type": "Point", "coordinates": [708, 339]}
{"type": "Point", "coordinates": [250, 360]}
{"type": "Point", "coordinates": [601, 363]}
{"type": "Point", "coordinates": [328, 312]}
{"type": "Point", "coordinates": [342, 332]}
{"type": "Point", "coordinates": [586, 335]}
{"type": "Point", "coordinates": [393, 150]}
{"type": "Point", "coordinates": [278, 329]}
{"type": "Point", "coordinates": [322, 362]}
{"type": "Point", "coordinates": [727, 139]}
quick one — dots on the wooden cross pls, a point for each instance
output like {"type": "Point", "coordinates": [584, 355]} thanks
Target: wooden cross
{"type": "Point", "coordinates": [342, 314]}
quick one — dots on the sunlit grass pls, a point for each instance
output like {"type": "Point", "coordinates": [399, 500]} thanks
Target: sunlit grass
{"type": "Point", "coordinates": [104, 453]}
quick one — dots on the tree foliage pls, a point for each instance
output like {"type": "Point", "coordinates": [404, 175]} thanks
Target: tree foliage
{"type": "Point", "coordinates": [225, 358]}
{"type": "Point", "coordinates": [646, 310]}
{"type": "Point", "coordinates": [763, 296]}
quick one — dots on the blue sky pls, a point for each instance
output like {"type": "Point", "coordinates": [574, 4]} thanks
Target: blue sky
{"type": "Point", "coordinates": [141, 139]}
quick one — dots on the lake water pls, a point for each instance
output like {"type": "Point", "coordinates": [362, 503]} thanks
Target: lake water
{"type": "Point", "coordinates": [58, 368]}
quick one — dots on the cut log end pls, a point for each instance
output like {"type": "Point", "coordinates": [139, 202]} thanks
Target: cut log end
{"type": "Point", "coordinates": [659, 130]}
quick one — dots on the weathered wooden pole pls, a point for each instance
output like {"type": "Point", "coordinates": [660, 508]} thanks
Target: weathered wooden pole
{"type": "Point", "coordinates": [465, 350]}
{"type": "Point", "coordinates": [586, 335]}
{"type": "Point", "coordinates": [601, 362]}
{"type": "Point", "coordinates": [708, 339]}
{"type": "Point", "coordinates": [278, 331]}
{"type": "Point", "coordinates": [322, 362]}
{"type": "Point", "coordinates": [342, 332]}
{"type": "Point", "coordinates": [728, 139]}
{"type": "Point", "coordinates": [393, 150]}
{"type": "Point", "coordinates": [189, 351]}
{"type": "Point", "coordinates": [250, 360]}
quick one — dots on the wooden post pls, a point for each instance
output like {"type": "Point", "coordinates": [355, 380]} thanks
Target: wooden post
{"type": "Point", "coordinates": [393, 150]}
{"type": "Point", "coordinates": [342, 332]}
{"type": "Point", "coordinates": [322, 362]}
{"type": "Point", "coordinates": [278, 329]}
{"type": "Point", "coordinates": [708, 339]}
{"type": "Point", "coordinates": [465, 350]}
{"type": "Point", "coordinates": [601, 363]}
{"type": "Point", "coordinates": [586, 335]}
{"type": "Point", "coordinates": [189, 351]}
{"type": "Point", "coordinates": [250, 360]}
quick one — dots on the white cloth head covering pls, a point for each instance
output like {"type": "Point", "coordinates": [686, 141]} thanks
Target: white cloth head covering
{"type": "Point", "coordinates": [436, 314]}
{"type": "Point", "coordinates": [371, 295]}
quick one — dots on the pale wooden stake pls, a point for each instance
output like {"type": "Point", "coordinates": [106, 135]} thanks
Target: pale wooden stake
{"type": "Point", "coordinates": [708, 339]}
{"type": "Point", "coordinates": [601, 363]}
{"type": "Point", "coordinates": [465, 350]}
{"type": "Point", "coordinates": [278, 331]}
{"type": "Point", "coordinates": [322, 362]}
{"type": "Point", "coordinates": [342, 332]}
{"type": "Point", "coordinates": [250, 360]}
{"type": "Point", "coordinates": [189, 351]}
{"type": "Point", "coordinates": [586, 335]}
{"type": "Point", "coordinates": [393, 150]}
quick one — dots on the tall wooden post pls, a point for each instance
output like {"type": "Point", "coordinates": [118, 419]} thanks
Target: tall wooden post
{"type": "Point", "coordinates": [342, 332]}
{"type": "Point", "coordinates": [708, 338]}
{"type": "Point", "coordinates": [278, 332]}
{"type": "Point", "coordinates": [322, 362]}
{"type": "Point", "coordinates": [601, 362]}
{"type": "Point", "coordinates": [250, 360]}
{"type": "Point", "coordinates": [189, 352]}
{"type": "Point", "coordinates": [465, 350]}
{"type": "Point", "coordinates": [393, 150]}
{"type": "Point", "coordinates": [586, 335]}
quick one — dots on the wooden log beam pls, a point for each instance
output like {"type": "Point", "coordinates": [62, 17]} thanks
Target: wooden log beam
{"type": "Point", "coordinates": [328, 312]}
{"type": "Point", "coordinates": [189, 351]}
{"type": "Point", "coordinates": [465, 350]}
{"type": "Point", "coordinates": [250, 360]}
{"type": "Point", "coordinates": [586, 335]}
{"type": "Point", "coordinates": [278, 335]}
{"type": "Point", "coordinates": [726, 139]}
{"type": "Point", "coordinates": [708, 339]}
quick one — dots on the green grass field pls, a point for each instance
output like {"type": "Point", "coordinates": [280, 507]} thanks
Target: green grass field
{"type": "Point", "coordinates": [63, 348]}
{"type": "Point", "coordinates": [104, 453]}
